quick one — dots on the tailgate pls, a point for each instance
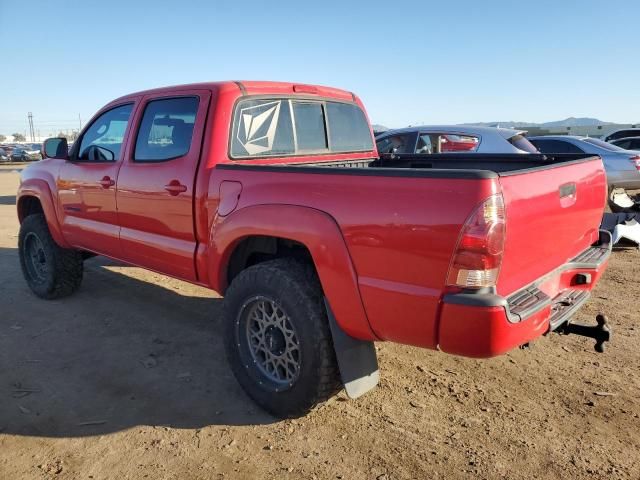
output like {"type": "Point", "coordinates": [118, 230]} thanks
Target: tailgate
{"type": "Point", "coordinates": [552, 214]}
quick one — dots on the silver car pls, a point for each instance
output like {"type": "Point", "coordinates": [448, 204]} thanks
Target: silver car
{"type": "Point", "coordinates": [430, 139]}
{"type": "Point", "coordinates": [622, 166]}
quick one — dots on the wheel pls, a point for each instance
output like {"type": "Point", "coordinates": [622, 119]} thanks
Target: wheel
{"type": "Point", "coordinates": [50, 271]}
{"type": "Point", "coordinates": [277, 337]}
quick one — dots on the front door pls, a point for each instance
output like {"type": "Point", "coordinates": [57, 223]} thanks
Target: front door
{"type": "Point", "coordinates": [156, 183]}
{"type": "Point", "coordinates": [86, 183]}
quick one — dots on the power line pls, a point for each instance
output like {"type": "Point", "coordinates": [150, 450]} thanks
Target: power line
{"type": "Point", "coordinates": [31, 130]}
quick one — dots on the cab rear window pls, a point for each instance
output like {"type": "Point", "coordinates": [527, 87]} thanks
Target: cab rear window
{"type": "Point", "coordinates": [285, 126]}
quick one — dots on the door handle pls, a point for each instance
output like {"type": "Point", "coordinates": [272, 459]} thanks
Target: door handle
{"type": "Point", "coordinates": [106, 182]}
{"type": "Point", "coordinates": [175, 187]}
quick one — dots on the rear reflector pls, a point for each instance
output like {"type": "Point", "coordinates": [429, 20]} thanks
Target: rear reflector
{"type": "Point", "coordinates": [478, 255]}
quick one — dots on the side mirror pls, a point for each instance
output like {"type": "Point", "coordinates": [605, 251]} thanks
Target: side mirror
{"type": "Point", "coordinates": [56, 148]}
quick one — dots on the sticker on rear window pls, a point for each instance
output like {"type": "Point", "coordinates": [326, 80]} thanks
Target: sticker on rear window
{"type": "Point", "coordinates": [257, 129]}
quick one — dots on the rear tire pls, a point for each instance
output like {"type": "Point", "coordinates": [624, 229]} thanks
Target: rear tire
{"type": "Point", "coordinates": [277, 337]}
{"type": "Point", "coordinates": [50, 270]}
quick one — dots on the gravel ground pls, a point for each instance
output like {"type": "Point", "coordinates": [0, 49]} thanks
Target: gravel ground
{"type": "Point", "coordinates": [127, 379]}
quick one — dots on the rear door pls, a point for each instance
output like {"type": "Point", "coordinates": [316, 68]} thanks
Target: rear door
{"type": "Point", "coordinates": [156, 183]}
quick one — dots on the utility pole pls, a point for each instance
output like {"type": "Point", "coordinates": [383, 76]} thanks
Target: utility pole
{"type": "Point", "coordinates": [80, 122]}
{"type": "Point", "coordinates": [32, 132]}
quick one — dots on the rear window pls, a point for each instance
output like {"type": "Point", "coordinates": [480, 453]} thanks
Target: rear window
{"type": "Point", "coordinates": [521, 143]}
{"type": "Point", "coordinates": [280, 127]}
{"type": "Point", "coordinates": [309, 126]}
{"type": "Point", "coordinates": [348, 128]}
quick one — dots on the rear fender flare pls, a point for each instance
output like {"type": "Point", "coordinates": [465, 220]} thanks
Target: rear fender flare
{"type": "Point", "coordinates": [40, 189]}
{"type": "Point", "coordinates": [313, 228]}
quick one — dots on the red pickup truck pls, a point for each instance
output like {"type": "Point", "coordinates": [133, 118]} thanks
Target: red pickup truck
{"type": "Point", "coordinates": [273, 195]}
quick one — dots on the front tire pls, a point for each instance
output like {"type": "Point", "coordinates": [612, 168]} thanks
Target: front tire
{"type": "Point", "coordinates": [50, 270]}
{"type": "Point", "coordinates": [277, 337]}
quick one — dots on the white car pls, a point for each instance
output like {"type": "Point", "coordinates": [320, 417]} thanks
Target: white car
{"type": "Point", "coordinates": [454, 139]}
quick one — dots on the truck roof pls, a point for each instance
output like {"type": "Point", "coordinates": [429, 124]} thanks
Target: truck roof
{"type": "Point", "coordinates": [253, 87]}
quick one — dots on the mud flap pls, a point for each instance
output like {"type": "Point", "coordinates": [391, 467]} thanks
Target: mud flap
{"type": "Point", "coordinates": [357, 359]}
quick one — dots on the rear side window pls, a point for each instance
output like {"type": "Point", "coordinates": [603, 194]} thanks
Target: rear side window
{"type": "Point", "coordinates": [446, 143]}
{"type": "Point", "coordinates": [280, 127]}
{"type": "Point", "coordinates": [521, 143]}
{"type": "Point", "coordinates": [166, 129]}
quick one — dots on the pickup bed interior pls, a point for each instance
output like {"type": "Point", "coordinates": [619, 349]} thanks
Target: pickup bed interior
{"type": "Point", "coordinates": [474, 165]}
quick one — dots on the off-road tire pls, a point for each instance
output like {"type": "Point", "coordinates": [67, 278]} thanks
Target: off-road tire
{"type": "Point", "coordinates": [61, 272]}
{"type": "Point", "coordinates": [295, 288]}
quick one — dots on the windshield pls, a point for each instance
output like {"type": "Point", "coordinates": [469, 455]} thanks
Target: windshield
{"type": "Point", "coordinates": [605, 145]}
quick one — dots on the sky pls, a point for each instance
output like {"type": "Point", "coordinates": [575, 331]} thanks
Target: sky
{"type": "Point", "coordinates": [419, 62]}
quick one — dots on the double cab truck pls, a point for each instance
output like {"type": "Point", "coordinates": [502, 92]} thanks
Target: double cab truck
{"type": "Point", "coordinates": [273, 195]}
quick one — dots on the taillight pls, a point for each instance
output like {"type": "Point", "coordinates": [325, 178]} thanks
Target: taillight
{"type": "Point", "coordinates": [636, 161]}
{"type": "Point", "coordinates": [478, 255]}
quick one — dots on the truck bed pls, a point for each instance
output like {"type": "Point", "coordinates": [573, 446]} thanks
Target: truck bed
{"type": "Point", "coordinates": [401, 217]}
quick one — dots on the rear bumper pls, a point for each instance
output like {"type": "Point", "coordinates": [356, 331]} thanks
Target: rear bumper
{"type": "Point", "coordinates": [485, 325]}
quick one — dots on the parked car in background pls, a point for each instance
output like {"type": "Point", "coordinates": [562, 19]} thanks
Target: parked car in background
{"type": "Point", "coordinates": [622, 166]}
{"type": "Point", "coordinates": [8, 149]}
{"type": "Point", "coordinates": [629, 143]}
{"type": "Point", "coordinates": [4, 156]}
{"type": "Point", "coordinates": [25, 154]}
{"type": "Point", "coordinates": [34, 150]}
{"type": "Point", "coordinates": [453, 138]}
{"type": "Point", "coordinates": [623, 133]}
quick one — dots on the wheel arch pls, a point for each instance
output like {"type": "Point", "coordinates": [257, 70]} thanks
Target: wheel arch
{"type": "Point", "coordinates": [34, 196]}
{"type": "Point", "coordinates": [288, 230]}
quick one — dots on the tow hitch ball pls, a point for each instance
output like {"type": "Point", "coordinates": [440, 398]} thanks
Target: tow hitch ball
{"type": "Point", "coordinates": [600, 332]}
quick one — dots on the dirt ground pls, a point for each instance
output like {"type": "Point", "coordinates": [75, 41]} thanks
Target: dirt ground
{"type": "Point", "coordinates": [127, 379]}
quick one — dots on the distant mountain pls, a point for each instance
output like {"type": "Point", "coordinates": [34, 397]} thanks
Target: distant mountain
{"type": "Point", "coordinates": [379, 128]}
{"type": "Point", "coordinates": [576, 122]}
{"type": "Point", "coordinates": [567, 122]}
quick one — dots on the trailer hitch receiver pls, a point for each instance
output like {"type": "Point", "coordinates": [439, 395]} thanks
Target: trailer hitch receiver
{"type": "Point", "coordinates": [601, 332]}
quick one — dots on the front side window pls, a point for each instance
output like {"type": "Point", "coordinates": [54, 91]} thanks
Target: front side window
{"type": "Point", "coordinates": [166, 129]}
{"type": "Point", "coordinates": [395, 144]}
{"type": "Point", "coordinates": [102, 141]}
{"type": "Point", "coordinates": [277, 127]}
